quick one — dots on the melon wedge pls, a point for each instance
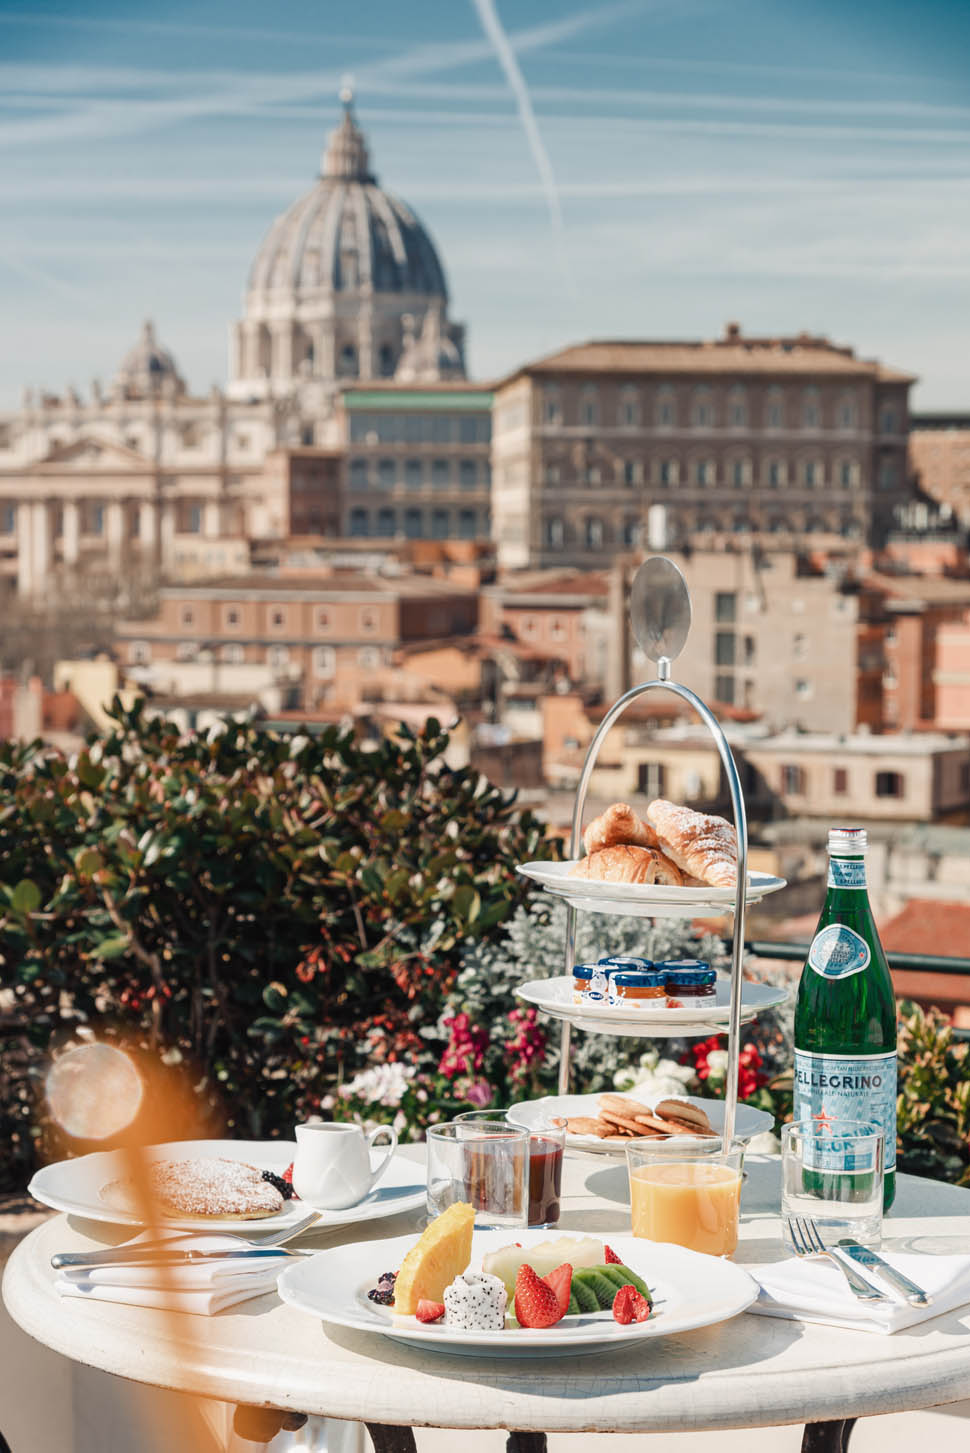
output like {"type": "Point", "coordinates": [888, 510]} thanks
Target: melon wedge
{"type": "Point", "coordinates": [441, 1253]}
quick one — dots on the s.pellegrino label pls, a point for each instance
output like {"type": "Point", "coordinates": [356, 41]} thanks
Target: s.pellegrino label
{"type": "Point", "coordinates": [830, 1087]}
{"type": "Point", "coordinates": [845, 1014]}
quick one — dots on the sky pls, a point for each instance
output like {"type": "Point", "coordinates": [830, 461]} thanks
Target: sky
{"type": "Point", "coordinates": [629, 168]}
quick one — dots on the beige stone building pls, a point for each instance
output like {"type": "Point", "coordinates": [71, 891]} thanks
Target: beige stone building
{"type": "Point", "coordinates": [330, 638]}
{"type": "Point", "coordinates": [606, 444]}
{"type": "Point", "coordinates": [145, 478]}
{"type": "Point", "coordinates": [939, 446]}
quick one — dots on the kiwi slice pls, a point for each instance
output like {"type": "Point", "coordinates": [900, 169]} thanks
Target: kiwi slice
{"type": "Point", "coordinates": [621, 1275]}
{"type": "Point", "coordinates": [573, 1309]}
{"type": "Point", "coordinates": [584, 1297]}
{"type": "Point", "coordinates": [602, 1288]}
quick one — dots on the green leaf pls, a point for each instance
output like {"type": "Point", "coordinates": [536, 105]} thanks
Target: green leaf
{"type": "Point", "coordinates": [26, 897]}
{"type": "Point", "coordinates": [466, 902]}
{"type": "Point", "coordinates": [112, 948]}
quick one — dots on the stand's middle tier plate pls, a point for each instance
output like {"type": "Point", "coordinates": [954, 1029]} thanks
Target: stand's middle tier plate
{"type": "Point", "coordinates": [555, 997]}
{"type": "Point", "coordinates": [644, 900]}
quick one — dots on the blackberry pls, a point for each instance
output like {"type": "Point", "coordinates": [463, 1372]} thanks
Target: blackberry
{"type": "Point", "coordinates": [284, 1187]}
{"type": "Point", "coordinates": [383, 1293]}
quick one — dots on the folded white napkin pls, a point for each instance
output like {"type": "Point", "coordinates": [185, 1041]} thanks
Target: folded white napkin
{"type": "Point", "coordinates": [814, 1290]}
{"type": "Point", "coordinates": [202, 1287]}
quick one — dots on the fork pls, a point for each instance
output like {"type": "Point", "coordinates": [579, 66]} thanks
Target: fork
{"type": "Point", "coordinates": [123, 1252]}
{"type": "Point", "coordinates": [806, 1241]}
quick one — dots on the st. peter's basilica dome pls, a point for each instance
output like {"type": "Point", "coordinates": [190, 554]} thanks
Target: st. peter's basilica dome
{"type": "Point", "coordinates": [148, 369]}
{"type": "Point", "coordinates": [343, 282]}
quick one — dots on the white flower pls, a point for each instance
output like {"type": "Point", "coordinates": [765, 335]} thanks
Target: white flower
{"type": "Point", "coordinates": [658, 1087]}
{"type": "Point", "coordinates": [380, 1085]}
{"type": "Point", "coordinates": [648, 1060]}
{"type": "Point", "coordinates": [717, 1061]}
{"type": "Point", "coordinates": [624, 1079]}
{"type": "Point", "coordinates": [671, 1070]}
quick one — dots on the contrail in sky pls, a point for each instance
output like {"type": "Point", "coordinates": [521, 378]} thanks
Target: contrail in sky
{"type": "Point", "coordinates": [492, 26]}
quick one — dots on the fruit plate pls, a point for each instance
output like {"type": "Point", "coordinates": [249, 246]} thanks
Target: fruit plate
{"type": "Point", "coordinates": [533, 1114]}
{"type": "Point", "coordinates": [74, 1186]}
{"type": "Point", "coordinates": [689, 1290]}
{"type": "Point", "coordinates": [555, 997]}
{"type": "Point", "coordinates": [643, 900]}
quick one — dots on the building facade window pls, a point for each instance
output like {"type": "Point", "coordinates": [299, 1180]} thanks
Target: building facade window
{"type": "Point", "coordinates": [187, 616]}
{"type": "Point", "coordinates": [413, 525]}
{"type": "Point", "coordinates": [706, 472]}
{"type": "Point", "coordinates": [231, 617]}
{"type": "Point", "coordinates": [725, 607]}
{"type": "Point", "coordinates": [96, 520]}
{"type": "Point", "coordinates": [804, 690]}
{"type": "Point", "coordinates": [888, 419]}
{"type": "Point", "coordinates": [386, 473]}
{"type": "Point", "coordinates": [369, 658]}
{"type": "Point", "coordinates": [386, 524]}
{"type": "Point", "coordinates": [669, 471]}
{"type": "Point", "coordinates": [631, 531]}
{"type": "Point", "coordinates": [847, 413]}
{"type": "Point", "coordinates": [368, 619]}
{"type": "Point", "coordinates": [468, 473]}
{"type": "Point", "coordinates": [792, 780]}
{"type": "Point", "coordinates": [440, 522]}
{"type": "Point", "coordinates": [628, 416]}
{"type": "Point", "coordinates": [139, 653]}
{"type": "Point", "coordinates": [814, 473]}
{"type": "Point", "coordinates": [737, 408]}
{"type": "Point", "coordinates": [774, 410]}
{"type": "Point", "coordinates": [467, 525]}
{"type": "Point", "coordinates": [324, 661]}
{"type": "Point", "coordinates": [840, 781]}
{"type": "Point", "coordinates": [8, 519]}
{"type": "Point", "coordinates": [702, 409]}
{"type": "Point", "coordinates": [724, 648]}
{"type": "Point", "coordinates": [666, 409]}
{"type": "Point", "coordinates": [811, 411]}
{"type": "Point", "coordinates": [555, 532]}
{"type": "Point", "coordinates": [848, 473]}
{"type": "Point", "coordinates": [413, 474]}
{"type": "Point", "coordinates": [440, 473]}
{"type": "Point", "coordinates": [359, 523]}
{"type": "Point", "coordinates": [553, 474]}
{"type": "Point", "coordinates": [595, 533]}
{"type": "Point", "coordinates": [322, 619]}
{"type": "Point", "coordinates": [588, 408]}
{"type": "Point", "coordinates": [777, 473]}
{"type": "Point", "coordinates": [740, 473]}
{"type": "Point", "coordinates": [233, 653]}
{"type": "Point", "coordinates": [278, 657]}
{"type": "Point", "coordinates": [632, 471]}
{"type": "Point", "coordinates": [890, 784]}
{"type": "Point", "coordinates": [551, 404]}
{"type": "Point", "coordinates": [358, 473]}
{"type": "Point", "coordinates": [888, 476]}
{"type": "Point", "coordinates": [724, 690]}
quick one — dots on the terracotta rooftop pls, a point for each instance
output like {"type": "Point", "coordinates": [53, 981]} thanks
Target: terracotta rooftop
{"type": "Point", "coordinates": [299, 583]}
{"type": "Point", "coordinates": [734, 354]}
{"type": "Point", "coordinates": [553, 582]}
{"type": "Point", "coordinates": [926, 925]}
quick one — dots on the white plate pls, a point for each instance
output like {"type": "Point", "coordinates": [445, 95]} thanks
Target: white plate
{"type": "Point", "coordinates": [643, 900]}
{"type": "Point", "coordinates": [555, 997]}
{"type": "Point", "coordinates": [74, 1186]}
{"type": "Point", "coordinates": [533, 1114]}
{"type": "Point", "coordinates": [689, 1290]}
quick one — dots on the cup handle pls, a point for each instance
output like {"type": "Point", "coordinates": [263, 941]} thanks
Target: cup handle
{"type": "Point", "coordinates": [392, 1146]}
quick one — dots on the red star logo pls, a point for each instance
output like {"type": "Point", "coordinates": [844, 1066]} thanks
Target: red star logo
{"type": "Point", "coordinates": [823, 1120]}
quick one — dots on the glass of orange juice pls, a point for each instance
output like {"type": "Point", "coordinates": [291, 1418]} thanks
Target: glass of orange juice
{"type": "Point", "coordinates": [686, 1190]}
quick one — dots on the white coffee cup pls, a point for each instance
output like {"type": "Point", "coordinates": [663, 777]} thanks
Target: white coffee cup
{"type": "Point", "coordinates": [331, 1170]}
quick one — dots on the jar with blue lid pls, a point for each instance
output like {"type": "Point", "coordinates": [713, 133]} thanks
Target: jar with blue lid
{"type": "Point", "coordinates": [626, 963]}
{"type": "Point", "coordinates": [638, 988]}
{"type": "Point", "coordinates": [583, 976]}
{"type": "Point", "coordinates": [690, 983]}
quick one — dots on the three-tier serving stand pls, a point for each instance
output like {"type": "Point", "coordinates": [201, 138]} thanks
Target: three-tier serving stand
{"type": "Point", "coordinates": [660, 613]}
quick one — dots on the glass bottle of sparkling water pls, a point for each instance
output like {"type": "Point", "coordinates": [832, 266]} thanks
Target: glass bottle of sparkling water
{"type": "Point", "coordinates": [845, 1013]}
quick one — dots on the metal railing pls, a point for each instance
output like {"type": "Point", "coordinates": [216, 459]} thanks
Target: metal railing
{"type": "Point", "coordinates": [913, 963]}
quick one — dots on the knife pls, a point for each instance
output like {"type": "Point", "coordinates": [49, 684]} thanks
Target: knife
{"type": "Point", "coordinates": [134, 1256]}
{"type": "Point", "coordinates": [914, 1294]}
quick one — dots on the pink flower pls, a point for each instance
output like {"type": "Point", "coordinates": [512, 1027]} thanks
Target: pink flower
{"type": "Point", "coordinates": [464, 1053]}
{"type": "Point", "coordinates": [526, 1051]}
{"type": "Point", "coordinates": [479, 1093]}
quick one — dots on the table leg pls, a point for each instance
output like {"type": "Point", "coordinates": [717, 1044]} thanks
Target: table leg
{"type": "Point", "coordinates": [261, 1425]}
{"type": "Point", "coordinates": [391, 1440]}
{"type": "Point", "coordinates": [828, 1437]}
{"type": "Point", "coordinates": [526, 1443]}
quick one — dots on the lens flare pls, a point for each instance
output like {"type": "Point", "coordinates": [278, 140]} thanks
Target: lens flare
{"type": "Point", "coordinates": [94, 1092]}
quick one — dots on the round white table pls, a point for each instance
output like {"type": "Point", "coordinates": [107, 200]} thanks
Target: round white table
{"type": "Point", "coordinates": [751, 1371]}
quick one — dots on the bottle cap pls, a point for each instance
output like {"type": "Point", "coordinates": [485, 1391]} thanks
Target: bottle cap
{"type": "Point", "coordinates": [584, 971]}
{"type": "Point", "coordinates": [669, 964]}
{"type": "Point", "coordinates": [847, 840]}
{"type": "Point", "coordinates": [691, 978]}
{"type": "Point", "coordinates": [625, 961]}
{"type": "Point", "coordinates": [641, 979]}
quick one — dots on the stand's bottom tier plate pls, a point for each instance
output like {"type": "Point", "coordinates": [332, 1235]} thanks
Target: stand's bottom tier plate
{"type": "Point", "coordinates": [555, 998]}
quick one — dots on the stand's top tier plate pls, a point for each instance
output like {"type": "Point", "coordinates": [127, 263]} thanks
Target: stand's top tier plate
{"type": "Point", "coordinates": [644, 900]}
{"type": "Point", "coordinates": [660, 609]}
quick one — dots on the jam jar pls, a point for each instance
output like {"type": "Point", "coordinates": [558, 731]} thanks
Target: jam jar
{"type": "Point", "coordinates": [626, 963]}
{"type": "Point", "coordinates": [638, 989]}
{"type": "Point", "coordinates": [582, 980]}
{"type": "Point", "coordinates": [686, 986]}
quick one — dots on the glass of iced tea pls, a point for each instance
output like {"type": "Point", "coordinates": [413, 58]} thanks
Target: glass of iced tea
{"type": "Point", "coordinates": [547, 1144]}
{"type": "Point", "coordinates": [687, 1191]}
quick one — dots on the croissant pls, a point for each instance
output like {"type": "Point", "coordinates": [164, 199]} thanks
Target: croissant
{"type": "Point", "coordinates": [625, 863]}
{"type": "Point", "coordinates": [702, 845]}
{"type": "Point", "coordinates": [618, 824]}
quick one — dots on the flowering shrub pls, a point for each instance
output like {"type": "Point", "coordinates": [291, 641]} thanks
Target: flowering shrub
{"type": "Point", "coordinates": [276, 912]}
{"type": "Point", "coordinates": [933, 1109]}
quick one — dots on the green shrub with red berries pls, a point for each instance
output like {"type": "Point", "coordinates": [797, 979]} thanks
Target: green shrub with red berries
{"type": "Point", "coordinates": [272, 912]}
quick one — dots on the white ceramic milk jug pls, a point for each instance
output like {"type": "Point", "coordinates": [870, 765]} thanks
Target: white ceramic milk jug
{"type": "Point", "coordinates": [332, 1166]}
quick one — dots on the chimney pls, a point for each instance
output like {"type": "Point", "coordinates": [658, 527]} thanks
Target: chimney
{"type": "Point", "coordinates": [657, 528]}
{"type": "Point", "coordinates": [618, 647]}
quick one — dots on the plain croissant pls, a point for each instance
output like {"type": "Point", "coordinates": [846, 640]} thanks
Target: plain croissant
{"type": "Point", "coordinates": [628, 864]}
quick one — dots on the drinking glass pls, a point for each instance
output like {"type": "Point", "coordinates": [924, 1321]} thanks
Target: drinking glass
{"type": "Point", "coordinates": [547, 1144]}
{"type": "Point", "coordinates": [832, 1170]}
{"type": "Point", "coordinates": [687, 1191]}
{"type": "Point", "coordinates": [483, 1162]}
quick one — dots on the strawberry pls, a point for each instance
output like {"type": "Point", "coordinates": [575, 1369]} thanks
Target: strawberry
{"type": "Point", "coordinates": [561, 1281]}
{"type": "Point", "coordinates": [611, 1256]}
{"type": "Point", "coordinates": [429, 1311]}
{"type": "Point", "coordinates": [536, 1303]}
{"type": "Point", "coordinates": [288, 1173]}
{"type": "Point", "coordinates": [630, 1306]}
